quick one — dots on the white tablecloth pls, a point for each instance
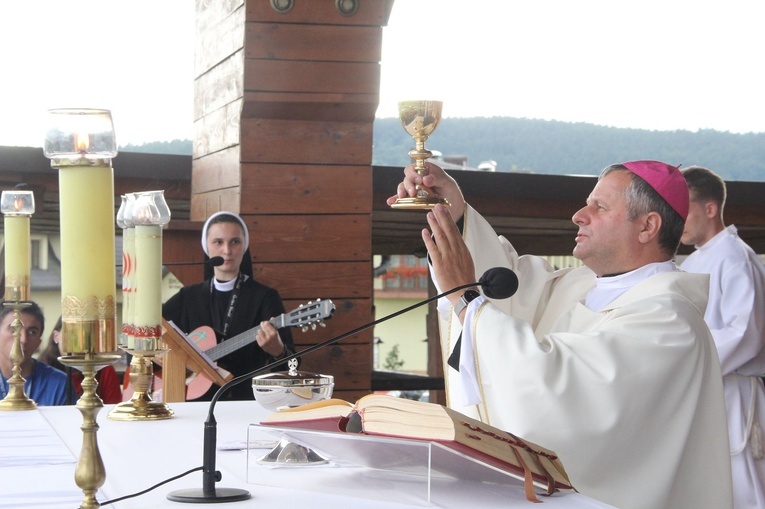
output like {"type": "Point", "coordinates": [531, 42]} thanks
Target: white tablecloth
{"type": "Point", "coordinates": [39, 451]}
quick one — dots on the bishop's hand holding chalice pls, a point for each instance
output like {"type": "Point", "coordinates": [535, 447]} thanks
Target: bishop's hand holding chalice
{"type": "Point", "coordinates": [419, 119]}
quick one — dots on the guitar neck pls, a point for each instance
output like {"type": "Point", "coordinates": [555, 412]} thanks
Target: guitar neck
{"type": "Point", "coordinates": [233, 344]}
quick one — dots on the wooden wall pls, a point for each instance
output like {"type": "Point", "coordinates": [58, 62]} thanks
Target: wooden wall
{"type": "Point", "coordinates": [284, 109]}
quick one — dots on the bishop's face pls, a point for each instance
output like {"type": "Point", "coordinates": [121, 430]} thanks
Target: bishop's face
{"type": "Point", "coordinates": [606, 237]}
{"type": "Point", "coordinates": [227, 241]}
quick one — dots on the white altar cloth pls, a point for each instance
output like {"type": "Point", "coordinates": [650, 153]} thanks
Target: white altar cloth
{"type": "Point", "coordinates": [39, 450]}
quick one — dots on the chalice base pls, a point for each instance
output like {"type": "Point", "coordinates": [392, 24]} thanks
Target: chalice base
{"type": "Point", "coordinates": [419, 203]}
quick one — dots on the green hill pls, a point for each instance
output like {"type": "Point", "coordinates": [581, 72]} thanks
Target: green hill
{"type": "Point", "coordinates": [545, 146]}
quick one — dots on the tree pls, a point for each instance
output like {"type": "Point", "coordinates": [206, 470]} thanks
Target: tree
{"type": "Point", "coordinates": [392, 360]}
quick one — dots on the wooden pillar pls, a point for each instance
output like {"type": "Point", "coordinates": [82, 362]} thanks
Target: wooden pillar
{"type": "Point", "coordinates": [284, 110]}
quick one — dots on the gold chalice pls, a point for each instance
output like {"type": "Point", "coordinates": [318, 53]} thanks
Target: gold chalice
{"type": "Point", "coordinates": [420, 119]}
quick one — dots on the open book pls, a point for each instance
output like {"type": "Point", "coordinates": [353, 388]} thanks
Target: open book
{"type": "Point", "coordinates": [383, 415]}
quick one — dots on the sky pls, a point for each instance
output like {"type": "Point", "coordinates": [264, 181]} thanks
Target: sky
{"type": "Point", "coordinates": [653, 64]}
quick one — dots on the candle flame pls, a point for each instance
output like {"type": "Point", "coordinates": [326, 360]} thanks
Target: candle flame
{"type": "Point", "coordinates": [81, 142]}
{"type": "Point", "coordinates": [145, 215]}
{"type": "Point", "coordinates": [18, 203]}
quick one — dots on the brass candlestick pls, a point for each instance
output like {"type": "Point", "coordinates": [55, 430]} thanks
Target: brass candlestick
{"type": "Point", "coordinates": [141, 406]}
{"type": "Point", "coordinates": [420, 119]}
{"type": "Point", "coordinates": [90, 473]}
{"type": "Point", "coordinates": [80, 143]}
{"type": "Point", "coordinates": [147, 213]}
{"type": "Point", "coordinates": [17, 399]}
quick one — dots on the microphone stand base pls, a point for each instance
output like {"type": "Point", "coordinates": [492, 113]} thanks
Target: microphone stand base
{"type": "Point", "coordinates": [198, 496]}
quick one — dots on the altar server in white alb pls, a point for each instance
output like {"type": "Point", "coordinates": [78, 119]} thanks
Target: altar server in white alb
{"type": "Point", "coordinates": [736, 316]}
{"type": "Point", "coordinates": [610, 365]}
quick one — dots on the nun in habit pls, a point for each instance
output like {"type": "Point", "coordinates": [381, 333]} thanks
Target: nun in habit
{"type": "Point", "coordinates": [230, 302]}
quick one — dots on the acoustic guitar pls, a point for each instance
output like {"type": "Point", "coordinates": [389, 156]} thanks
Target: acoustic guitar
{"type": "Point", "coordinates": [306, 316]}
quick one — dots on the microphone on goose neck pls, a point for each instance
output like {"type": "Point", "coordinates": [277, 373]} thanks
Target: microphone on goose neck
{"type": "Point", "coordinates": [499, 283]}
{"type": "Point", "coordinates": [215, 261]}
{"type": "Point", "coordinates": [496, 283]}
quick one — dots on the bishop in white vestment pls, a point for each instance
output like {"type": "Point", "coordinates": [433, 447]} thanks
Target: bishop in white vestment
{"type": "Point", "coordinates": [618, 374]}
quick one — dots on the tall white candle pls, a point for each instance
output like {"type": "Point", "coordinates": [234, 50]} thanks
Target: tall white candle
{"type": "Point", "coordinates": [88, 280]}
{"type": "Point", "coordinates": [128, 285]}
{"type": "Point", "coordinates": [148, 287]}
{"type": "Point", "coordinates": [81, 144]}
{"type": "Point", "coordinates": [17, 258]}
{"type": "Point", "coordinates": [17, 206]}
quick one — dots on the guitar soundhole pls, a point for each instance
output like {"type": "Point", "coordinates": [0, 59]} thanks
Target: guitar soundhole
{"type": "Point", "coordinates": [197, 337]}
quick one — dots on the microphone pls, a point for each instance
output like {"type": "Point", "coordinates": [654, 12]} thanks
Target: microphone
{"type": "Point", "coordinates": [215, 261]}
{"type": "Point", "coordinates": [497, 283]}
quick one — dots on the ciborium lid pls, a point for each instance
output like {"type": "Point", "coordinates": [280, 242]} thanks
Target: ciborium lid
{"type": "Point", "coordinates": [292, 378]}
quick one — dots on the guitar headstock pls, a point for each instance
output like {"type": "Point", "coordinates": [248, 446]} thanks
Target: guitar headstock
{"type": "Point", "coordinates": [311, 315]}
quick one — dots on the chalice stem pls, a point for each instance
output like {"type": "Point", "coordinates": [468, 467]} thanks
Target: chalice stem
{"type": "Point", "coordinates": [420, 154]}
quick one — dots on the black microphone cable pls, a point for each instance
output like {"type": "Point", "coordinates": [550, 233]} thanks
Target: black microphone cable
{"type": "Point", "coordinates": [161, 483]}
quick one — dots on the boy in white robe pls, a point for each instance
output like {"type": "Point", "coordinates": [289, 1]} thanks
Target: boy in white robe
{"type": "Point", "coordinates": [610, 365]}
{"type": "Point", "coordinates": [736, 316]}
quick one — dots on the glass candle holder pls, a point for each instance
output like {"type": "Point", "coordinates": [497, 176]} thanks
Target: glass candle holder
{"type": "Point", "coordinates": [75, 133]}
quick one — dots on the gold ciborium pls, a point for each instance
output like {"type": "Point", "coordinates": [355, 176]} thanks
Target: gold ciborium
{"type": "Point", "coordinates": [420, 119]}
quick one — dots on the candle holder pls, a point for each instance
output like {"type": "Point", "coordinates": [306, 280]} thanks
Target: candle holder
{"type": "Point", "coordinates": [141, 406]}
{"type": "Point", "coordinates": [80, 144]}
{"type": "Point", "coordinates": [89, 473]}
{"type": "Point", "coordinates": [147, 215]}
{"type": "Point", "coordinates": [420, 119]}
{"type": "Point", "coordinates": [17, 207]}
{"type": "Point", "coordinates": [16, 399]}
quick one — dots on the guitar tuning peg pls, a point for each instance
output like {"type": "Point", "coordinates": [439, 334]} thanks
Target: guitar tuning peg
{"type": "Point", "coordinates": [322, 324]}
{"type": "Point", "coordinates": [303, 328]}
{"type": "Point", "coordinates": [313, 326]}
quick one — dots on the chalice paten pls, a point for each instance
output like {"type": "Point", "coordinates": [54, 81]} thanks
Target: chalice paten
{"type": "Point", "coordinates": [420, 119]}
